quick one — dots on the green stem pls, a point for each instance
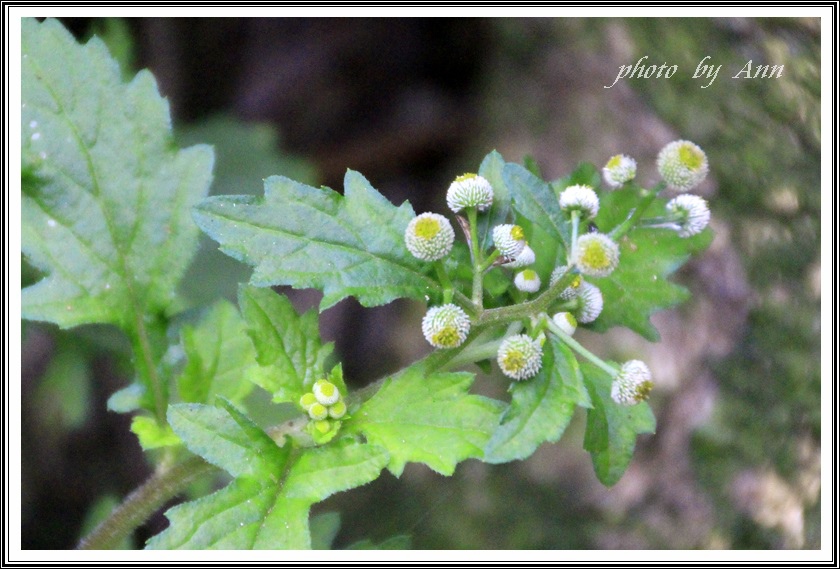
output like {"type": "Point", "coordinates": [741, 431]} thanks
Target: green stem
{"type": "Point", "coordinates": [488, 262]}
{"type": "Point", "coordinates": [648, 196]}
{"type": "Point", "coordinates": [575, 345]}
{"type": "Point", "coordinates": [475, 250]}
{"type": "Point", "coordinates": [164, 485]}
{"type": "Point", "coordinates": [443, 278]}
{"type": "Point", "coordinates": [575, 229]}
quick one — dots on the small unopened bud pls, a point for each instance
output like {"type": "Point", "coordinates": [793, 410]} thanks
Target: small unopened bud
{"type": "Point", "coordinates": [581, 198]}
{"type": "Point", "coordinates": [591, 303]}
{"type": "Point", "coordinates": [633, 383]}
{"type": "Point", "coordinates": [307, 400]}
{"type": "Point", "coordinates": [690, 213]}
{"type": "Point", "coordinates": [527, 281]}
{"type": "Point", "coordinates": [619, 170]}
{"type": "Point", "coordinates": [566, 321]}
{"type": "Point", "coordinates": [520, 357]}
{"type": "Point", "coordinates": [325, 392]}
{"type": "Point", "coordinates": [509, 240]}
{"type": "Point", "coordinates": [318, 412]}
{"type": "Point", "coordinates": [595, 254]}
{"type": "Point", "coordinates": [338, 409]}
{"type": "Point", "coordinates": [524, 259]}
{"type": "Point", "coordinates": [469, 190]}
{"type": "Point", "coordinates": [446, 326]}
{"type": "Point", "coordinates": [429, 236]}
{"type": "Point", "coordinates": [682, 164]}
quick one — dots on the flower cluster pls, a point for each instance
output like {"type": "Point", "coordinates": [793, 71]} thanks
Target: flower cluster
{"type": "Point", "coordinates": [585, 254]}
{"type": "Point", "coordinates": [323, 403]}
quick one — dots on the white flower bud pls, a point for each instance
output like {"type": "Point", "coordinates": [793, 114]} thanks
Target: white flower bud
{"type": "Point", "coordinates": [429, 236]}
{"type": "Point", "coordinates": [591, 303]}
{"type": "Point", "coordinates": [581, 198]}
{"type": "Point", "coordinates": [682, 164]}
{"type": "Point", "coordinates": [520, 357]}
{"type": "Point", "coordinates": [307, 400]}
{"type": "Point", "coordinates": [337, 409]}
{"type": "Point", "coordinates": [509, 240]}
{"type": "Point", "coordinates": [619, 170]}
{"type": "Point", "coordinates": [446, 326]}
{"type": "Point", "coordinates": [318, 412]}
{"type": "Point", "coordinates": [690, 213]}
{"type": "Point", "coordinates": [469, 190]}
{"type": "Point", "coordinates": [595, 254]}
{"type": "Point", "coordinates": [527, 281]}
{"type": "Point", "coordinates": [633, 383]}
{"type": "Point", "coordinates": [566, 321]}
{"type": "Point", "coordinates": [570, 291]}
{"type": "Point", "coordinates": [524, 259]}
{"type": "Point", "coordinates": [325, 392]}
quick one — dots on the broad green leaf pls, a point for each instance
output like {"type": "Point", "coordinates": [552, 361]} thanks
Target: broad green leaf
{"type": "Point", "coordinates": [246, 154]}
{"type": "Point", "coordinates": [323, 528]}
{"type": "Point", "coordinates": [350, 245]}
{"type": "Point", "coordinates": [106, 196]}
{"type": "Point", "coordinates": [152, 434]}
{"type": "Point", "coordinates": [288, 345]}
{"type": "Point", "coordinates": [217, 354]}
{"type": "Point", "coordinates": [265, 514]}
{"type": "Point", "coordinates": [426, 418]}
{"type": "Point", "coordinates": [535, 201]}
{"type": "Point", "coordinates": [228, 439]}
{"type": "Point", "coordinates": [541, 408]}
{"type": "Point", "coordinates": [611, 429]}
{"type": "Point", "coordinates": [491, 169]}
{"type": "Point", "coordinates": [640, 286]}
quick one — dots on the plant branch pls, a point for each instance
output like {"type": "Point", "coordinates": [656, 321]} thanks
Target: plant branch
{"type": "Point", "coordinates": [647, 198]}
{"type": "Point", "coordinates": [164, 484]}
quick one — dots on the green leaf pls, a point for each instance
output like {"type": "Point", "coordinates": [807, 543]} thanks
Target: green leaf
{"type": "Point", "coordinates": [535, 201]}
{"type": "Point", "coordinates": [611, 429]}
{"type": "Point", "coordinates": [640, 286]}
{"type": "Point", "coordinates": [107, 215]}
{"type": "Point", "coordinates": [246, 154]}
{"type": "Point", "coordinates": [541, 408]}
{"type": "Point", "coordinates": [585, 174]}
{"type": "Point", "coordinates": [324, 527]}
{"type": "Point", "coordinates": [427, 418]}
{"type": "Point", "coordinates": [491, 169]}
{"type": "Point", "coordinates": [228, 439]}
{"type": "Point", "coordinates": [265, 514]}
{"type": "Point", "coordinates": [218, 352]}
{"type": "Point", "coordinates": [288, 345]}
{"type": "Point", "coordinates": [152, 434]}
{"type": "Point", "coordinates": [297, 235]}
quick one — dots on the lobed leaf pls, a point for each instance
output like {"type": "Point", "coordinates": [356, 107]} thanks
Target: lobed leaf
{"type": "Point", "coordinates": [611, 429]}
{"type": "Point", "coordinates": [535, 201]}
{"type": "Point", "coordinates": [288, 346]}
{"type": "Point", "coordinates": [228, 439]}
{"type": "Point", "coordinates": [426, 418]}
{"type": "Point", "coordinates": [218, 353]}
{"type": "Point", "coordinates": [541, 407]}
{"type": "Point", "coordinates": [640, 286]}
{"type": "Point", "coordinates": [266, 514]}
{"type": "Point", "coordinates": [106, 196]}
{"type": "Point", "coordinates": [297, 235]}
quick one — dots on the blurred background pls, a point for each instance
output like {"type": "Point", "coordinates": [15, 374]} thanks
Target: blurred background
{"type": "Point", "coordinates": [412, 103]}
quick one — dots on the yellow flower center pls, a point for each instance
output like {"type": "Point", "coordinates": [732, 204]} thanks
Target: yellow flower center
{"type": "Point", "coordinates": [465, 177]}
{"type": "Point", "coordinates": [427, 228]}
{"type": "Point", "coordinates": [614, 161]}
{"type": "Point", "coordinates": [529, 275]}
{"type": "Point", "coordinates": [517, 233]}
{"type": "Point", "coordinates": [514, 360]}
{"type": "Point", "coordinates": [643, 391]}
{"type": "Point", "coordinates": [595, 256]}
{"type": "Point", "coordinates": [690, 157]}
{"type": "Point", "coordinates": [447, 337]}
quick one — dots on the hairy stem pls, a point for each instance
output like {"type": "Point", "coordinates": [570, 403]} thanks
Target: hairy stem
{"type": "Point", "coordinates": [575, 345]}
{"type": "Point", "coordinates": [164, 484]}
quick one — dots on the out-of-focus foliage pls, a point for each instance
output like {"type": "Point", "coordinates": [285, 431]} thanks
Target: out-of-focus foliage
{"type": "Point", "coordinates": [762, 136]}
